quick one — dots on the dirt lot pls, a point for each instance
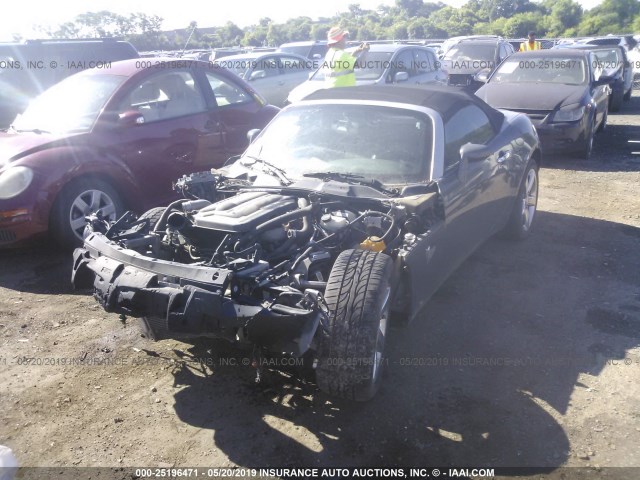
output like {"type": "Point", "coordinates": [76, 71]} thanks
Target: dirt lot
{"type": "Point", "coordinates": [528, 356]}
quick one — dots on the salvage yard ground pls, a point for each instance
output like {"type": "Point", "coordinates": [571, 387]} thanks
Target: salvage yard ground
{"type": "Point", "coordinates": [528, 356]}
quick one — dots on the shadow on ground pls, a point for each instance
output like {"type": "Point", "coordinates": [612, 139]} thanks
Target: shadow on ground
{"type": "Point", "coordinates": [484, 377]}
{"type": "Point", "coordinates": [39, 268]}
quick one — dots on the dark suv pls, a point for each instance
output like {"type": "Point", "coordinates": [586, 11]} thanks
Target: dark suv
{"type": "Point", "coordinates": [28, 69]}
{"type": "Point", "coordinates": [472, 56]}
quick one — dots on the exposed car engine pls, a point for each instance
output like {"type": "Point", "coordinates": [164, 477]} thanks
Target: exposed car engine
{"type": "Point", "coordinates": [264, 238]}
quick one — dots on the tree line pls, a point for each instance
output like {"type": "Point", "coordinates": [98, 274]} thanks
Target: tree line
{"type": "Point", "coordinates": [407, 19]}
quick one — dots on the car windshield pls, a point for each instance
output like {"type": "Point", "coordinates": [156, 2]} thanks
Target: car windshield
{"type": "Point", "coordinates": [535, 69]}
{"type": "Point", "coordinates": [607, 59]}
{"type": "Point", "coordinates": [392, 145]}
{"type": "Point", "coordinates": [69, 106]}
{"type": "Point", "coordinates": [470, 51]}
{"type": "Point", "coordinates": [369, 66]}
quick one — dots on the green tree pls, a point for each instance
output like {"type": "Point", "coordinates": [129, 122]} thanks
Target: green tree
{"type": "Point", "coordinates": [563, 15]}
{"type": "Point", "coordinates": [522, 23]}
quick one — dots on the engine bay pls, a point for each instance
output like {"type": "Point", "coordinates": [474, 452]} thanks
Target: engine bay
{"type": "Point", "coordinates": [284, 239]}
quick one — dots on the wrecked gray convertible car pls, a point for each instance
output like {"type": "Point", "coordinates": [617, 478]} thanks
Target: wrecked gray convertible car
{"type": "Point", "coordinates": [349, 207]}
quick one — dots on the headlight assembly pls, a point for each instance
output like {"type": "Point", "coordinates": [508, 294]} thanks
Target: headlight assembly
{"type": "Point", "coordinates": [570, 113]}
{"type": "Point", "coordinates": [14, 181]}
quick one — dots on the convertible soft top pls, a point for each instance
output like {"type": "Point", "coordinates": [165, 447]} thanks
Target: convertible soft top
{"type": "Point", "coordinates": [446, 101]}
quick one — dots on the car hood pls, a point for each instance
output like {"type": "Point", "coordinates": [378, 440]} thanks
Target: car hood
{"type": "Point", "coordinates": [530, 96]}
{"type": "Point", "coordinates": [14, 146]}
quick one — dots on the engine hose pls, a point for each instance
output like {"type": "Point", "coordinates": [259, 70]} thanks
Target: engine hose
{"type": "Point", "coordinates": [393, 224]}
{"type": "Point", "coordinates": [306, 224]}
{"type": "Point", "coordinates": [163, 218]}
{"type": "Point", "coordinates": [316, 284]}
{"type": "Point", "coordinates": [304, 255]}
{"type": "Point", "coordinates": [284, 218]}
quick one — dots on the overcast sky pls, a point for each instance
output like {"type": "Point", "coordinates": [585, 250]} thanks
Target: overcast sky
{"type": "Point", "coordinates": [22, 15]}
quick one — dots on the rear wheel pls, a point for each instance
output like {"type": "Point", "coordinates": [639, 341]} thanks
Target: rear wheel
{"type": "Point", "coordinates": [78, 200]}
{"type": "Point", "coordinates": [521, 219]}
{"type": "Point", "coordinates": [358, 296]}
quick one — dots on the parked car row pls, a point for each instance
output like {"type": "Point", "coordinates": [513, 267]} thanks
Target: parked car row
{"type": "Point", "coordinates": [107, 139]}
{"type": "Point", "coordinates": [273, 75]}
{"type": "Point", "coordinates": [384, 64]}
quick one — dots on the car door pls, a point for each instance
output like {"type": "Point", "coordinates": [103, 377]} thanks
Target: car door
{"type": "Point", "coordinates": [237, 110]}
{"type": "Point", "coordinates": [474, 192]}
{"type": "Point", "coordinates": [425, 66]}
{"type": "Point", "coordinates": [267, 79]}
{"type": "Point", "coordinates": [599, 92]}
{"type": "Point", "coordinates": [293, 72]}
{"type": "Point", "coordinates": [402, 61]}
{"type": "Point", "coordinates": [180, 133]}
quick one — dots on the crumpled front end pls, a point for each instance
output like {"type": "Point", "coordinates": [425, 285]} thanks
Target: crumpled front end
{"type": "Point", "coordinates": [192, 300]}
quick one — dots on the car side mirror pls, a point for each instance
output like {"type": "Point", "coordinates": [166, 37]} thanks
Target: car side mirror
{"type": "Point", "coordinates": [473, 152]}
{"type": "Point", "coordinates": [470, 152]}
{"type": "Point", "coordinates": [482, 75]}
{"type": "Point", "coordinates": [603, 80]}
{"type": "Point", "coordinates": [252, 134]}
{"type": "Point", "coordinates": [130, 118]}
{"type": "Point", "coordinates": [257, 74]}
{"type": "Point", "coordinates": [400, 77]}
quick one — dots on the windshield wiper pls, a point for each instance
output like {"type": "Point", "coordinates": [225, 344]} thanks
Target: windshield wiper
{"type": "Point", "coordinates": [352, 179]}
{"type": "Point", "coordinates": [272, 169]}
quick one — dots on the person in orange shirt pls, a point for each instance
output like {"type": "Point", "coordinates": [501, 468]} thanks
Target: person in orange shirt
{"type": "Point", "coordinates": [532, 44]}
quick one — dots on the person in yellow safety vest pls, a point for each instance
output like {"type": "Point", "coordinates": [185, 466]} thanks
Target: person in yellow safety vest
{"type": "Point", "coordinates": [532, 44]}
{"type": "Point", "coordinates": [339, 64]}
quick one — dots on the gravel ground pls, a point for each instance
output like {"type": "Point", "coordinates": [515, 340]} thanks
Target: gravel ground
{"type": "Point", "coordinates": [528, 356]}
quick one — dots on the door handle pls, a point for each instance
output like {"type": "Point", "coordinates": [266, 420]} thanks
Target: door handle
{"type": "Point", "coordinates": [503, 157]}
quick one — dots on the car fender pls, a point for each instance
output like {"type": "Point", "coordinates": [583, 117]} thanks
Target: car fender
{"type": "Point", "coordinates": [57, 167]}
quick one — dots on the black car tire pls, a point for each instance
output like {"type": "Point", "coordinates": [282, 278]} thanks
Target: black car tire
{"type": "Point", "coordinates": [60, 218]}
{"type": "Point", "coordinates": [350, 353]}
{"type": "Point", "coordinates": [517, 227]}
{"type": "Point", "coordinates": [615, 102]}
{"type": "Point", "coordinates": [153, 215]}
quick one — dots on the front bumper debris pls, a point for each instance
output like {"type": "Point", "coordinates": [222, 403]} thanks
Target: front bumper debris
{"type": "Point", "coordinates": [194, 300]}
